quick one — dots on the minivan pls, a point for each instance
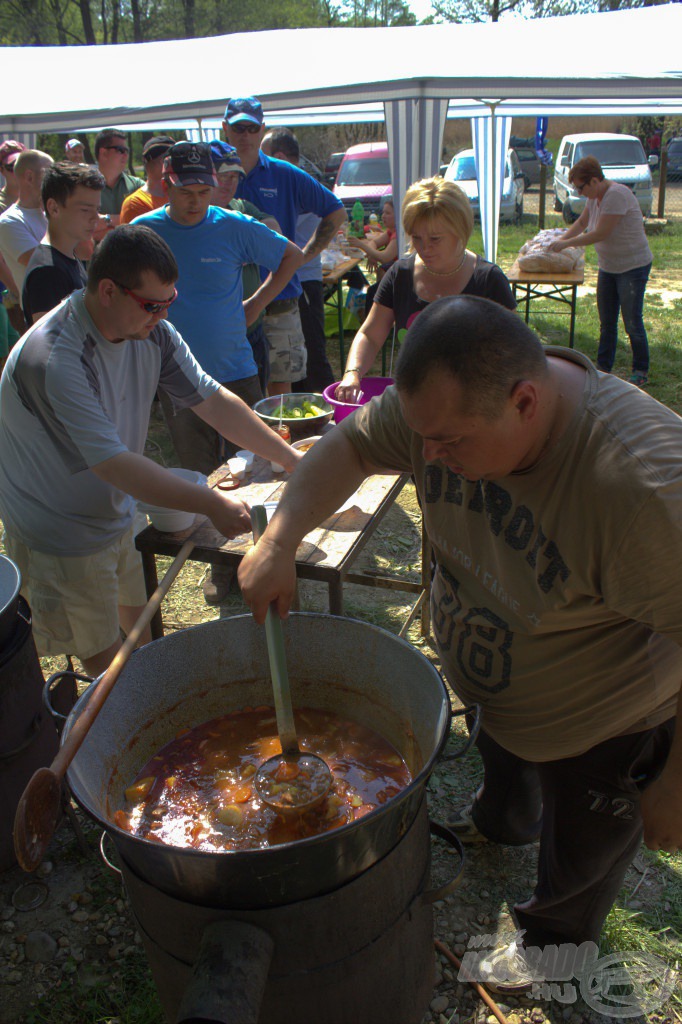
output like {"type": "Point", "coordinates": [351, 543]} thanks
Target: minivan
{"type": "Point", "coordinates": [364, 174]}
{"type": "Point", "coordinates": [622, 159]}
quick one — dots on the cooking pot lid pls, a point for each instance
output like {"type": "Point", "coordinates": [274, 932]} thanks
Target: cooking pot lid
{"type": "Point", "coordinates": [10, 583]}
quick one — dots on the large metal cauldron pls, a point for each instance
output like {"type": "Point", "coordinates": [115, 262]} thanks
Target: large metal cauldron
{"type": "Point", "coordinates": [336, 664]}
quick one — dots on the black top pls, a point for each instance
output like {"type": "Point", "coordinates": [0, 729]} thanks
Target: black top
{"type": "Point", "coordinates": [50, 277]}
{"type": "Point", "coordinates": [396, 289]}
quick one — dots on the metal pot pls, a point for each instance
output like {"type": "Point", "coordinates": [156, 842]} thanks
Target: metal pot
{"type": "Point", "coordinates": [10, 585]}
{"type": "Point", "coordinates": [184, 679]}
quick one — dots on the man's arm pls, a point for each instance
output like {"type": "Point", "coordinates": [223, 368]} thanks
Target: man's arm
{"type": "Point", "coordinates": [326, 230]}
{"type": "Point", "coordinates": [329, 473]}
{"type": "Point", "coordinates": [232, 418]}
{"type": "Point", "coordinates": [273, 283]}
{"type": "Point", "coordinates": [144, 480]}
{"type": "Point", "coordinates": [661, 803]}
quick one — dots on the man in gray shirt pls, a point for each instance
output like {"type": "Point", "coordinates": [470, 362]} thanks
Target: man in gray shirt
{"type": "Point", "coordinates": [75, 398]}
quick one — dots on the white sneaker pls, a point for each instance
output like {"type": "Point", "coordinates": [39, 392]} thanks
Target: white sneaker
{"type": "Point", "coordinates": [507, 970]}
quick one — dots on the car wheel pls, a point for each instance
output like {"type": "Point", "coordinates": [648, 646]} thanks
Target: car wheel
{"type": "Point", "coordinates": [568, 215]}
{"type": "Point", "coordinates": [557, 204]}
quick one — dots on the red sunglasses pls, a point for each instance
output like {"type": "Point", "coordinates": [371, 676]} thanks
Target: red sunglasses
{"type": "Point", "coordinates": [148, 305]}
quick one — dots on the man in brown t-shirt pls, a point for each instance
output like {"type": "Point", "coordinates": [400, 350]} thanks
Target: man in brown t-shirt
{"type": "Point", "coordinates": [552, 495]}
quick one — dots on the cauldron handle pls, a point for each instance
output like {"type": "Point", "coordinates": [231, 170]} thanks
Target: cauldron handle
{"type": "Point", "coordinates": [474, 722]}
{"type": "Point", "coordinates": [55, 682]}
{"type": "Point", "coordinates": [450, 837]}
{"type": "Point", "coordinates": [229, 976]}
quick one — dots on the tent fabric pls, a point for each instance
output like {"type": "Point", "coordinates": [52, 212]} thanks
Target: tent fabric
{"type": "Point", "coordinates": [491, 141]}
{"type": "Point", "coordinates": [414, 131]}
{"type": "Point", "coordinates": [547, 66]}
{"type": "Point", "coordinates": [569, 61]}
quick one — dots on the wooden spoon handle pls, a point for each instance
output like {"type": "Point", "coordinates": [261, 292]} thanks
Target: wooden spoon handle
{"type": "Point", "coordinates": [274, 636]}
{"type": "Point", "coordinates": [81, 726]}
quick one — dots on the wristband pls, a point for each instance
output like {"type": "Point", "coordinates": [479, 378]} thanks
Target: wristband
{"type": "Point", "coordinates": [352, 369]}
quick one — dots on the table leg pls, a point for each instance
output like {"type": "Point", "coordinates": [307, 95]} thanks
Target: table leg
{"type": "Point", "coordinates": [527, 302]}
{"type": "Point", "coordinates": [339, 313]}
{"type": "Point", "coordinates": [574, 301]}
{"type": "Point", "coordinates": [336, 597]}
{"type": "Point", "coordinates": [151, 582]}
{"type": "Point", "coordinates": [426, 582]}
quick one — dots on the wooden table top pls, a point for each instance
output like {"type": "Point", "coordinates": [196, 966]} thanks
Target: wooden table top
{"type": "Point", "coordinates": [335, 275]}
{"type": "Point", "coordinates": [323, 552]}
{"type": "Point", "coordinates": [518, 276]}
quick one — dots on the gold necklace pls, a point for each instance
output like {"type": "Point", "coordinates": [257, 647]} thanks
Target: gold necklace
{"type": "Point", "coordinates": [447, 273]}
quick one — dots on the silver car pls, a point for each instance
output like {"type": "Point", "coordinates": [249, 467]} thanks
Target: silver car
{"type": "Point", "coordinates": [462, 170]}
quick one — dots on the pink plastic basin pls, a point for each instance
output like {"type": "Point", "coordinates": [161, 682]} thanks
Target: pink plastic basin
{"type": "Point", "coordinates": [371, 387]}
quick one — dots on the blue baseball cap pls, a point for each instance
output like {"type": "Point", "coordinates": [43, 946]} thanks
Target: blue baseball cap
{"type": "Point", "coordinates": [244, 109]}
{"type": "Point", "coordinates": [225, 157]}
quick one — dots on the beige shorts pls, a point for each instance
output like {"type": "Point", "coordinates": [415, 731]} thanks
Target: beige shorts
{"type": "Point", "coordinates": [75, 601]}
{"type": "Point", "coordinates": [288, 356]}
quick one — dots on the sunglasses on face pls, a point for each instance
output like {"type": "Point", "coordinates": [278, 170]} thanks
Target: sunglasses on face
{"type": "Point", "coordinates": [119, 149]}
{"type": "Point", "coordinates": [240, 129]}
{"type": "Point", "coordinates": [151, 306]}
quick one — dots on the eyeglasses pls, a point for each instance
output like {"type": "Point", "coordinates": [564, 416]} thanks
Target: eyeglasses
{"type": "Point", "coordinates": [119, 149]}
{"type": "Point", "coordinates": [579, 188]}
{"type": "Point", "coordinates": [148, 305]}
{"type": "Point", "coordinates": [241, 128]}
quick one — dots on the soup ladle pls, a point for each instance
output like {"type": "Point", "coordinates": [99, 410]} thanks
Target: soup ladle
{"type": "Point", "coordinates": [294, 781]}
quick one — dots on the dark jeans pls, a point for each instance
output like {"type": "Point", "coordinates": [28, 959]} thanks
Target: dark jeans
{"type": "Point", "coordinates": [585, 810]}
{"type": "Point", "coordinates": [622, 293]}
{"type": "Point", "coordinates": [319, 373]}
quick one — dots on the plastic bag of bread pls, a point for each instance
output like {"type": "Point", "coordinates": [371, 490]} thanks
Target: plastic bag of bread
{"type": "Point", "coordinates": [535, 256]}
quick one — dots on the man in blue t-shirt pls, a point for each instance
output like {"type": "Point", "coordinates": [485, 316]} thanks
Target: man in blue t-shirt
{"type": "Point", "coordinates": [286, 192]}
{"type": "Point", "coordinates": [211, 246]}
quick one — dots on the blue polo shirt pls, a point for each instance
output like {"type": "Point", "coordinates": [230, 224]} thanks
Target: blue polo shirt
{"type": "Point", "coordinates": [208, 311]}
{"type": "Point", "coordinates": [285, 191]}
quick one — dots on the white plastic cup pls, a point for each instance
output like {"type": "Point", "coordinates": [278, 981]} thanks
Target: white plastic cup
{"type": "Point", "coordinates": [237, 467]}
{"type": "Point", "coordinates": [248, 458]}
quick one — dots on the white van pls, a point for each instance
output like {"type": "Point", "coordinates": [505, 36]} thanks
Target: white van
{"type": "Point", "coordinates": [622, 159]}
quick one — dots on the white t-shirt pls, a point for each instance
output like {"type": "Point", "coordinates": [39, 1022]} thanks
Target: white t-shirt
{"type": "Point", "coordinates": [20, 231]}
{"type": "Point", "coordinates": [626, 247]}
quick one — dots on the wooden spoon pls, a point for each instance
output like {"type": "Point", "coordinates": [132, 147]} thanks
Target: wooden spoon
{"type": "Point", "coordinates": [38, 809]}
{"type": "Point", "coordinates": [294, 781]}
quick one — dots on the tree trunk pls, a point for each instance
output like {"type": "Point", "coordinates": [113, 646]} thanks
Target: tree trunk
{"type": "Point", "coordinates": [188, 8]}
{"type": "Point", "coordinates": [86, 18]}
{"type": "Point", "coordinates": [137, 22]}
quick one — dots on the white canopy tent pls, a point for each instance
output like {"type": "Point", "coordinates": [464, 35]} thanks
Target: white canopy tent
{"type": "Point", "coordinates": [623, 61]}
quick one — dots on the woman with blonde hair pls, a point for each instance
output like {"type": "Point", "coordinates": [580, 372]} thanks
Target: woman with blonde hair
{"type": "Point", "coordinates": [438, 219]}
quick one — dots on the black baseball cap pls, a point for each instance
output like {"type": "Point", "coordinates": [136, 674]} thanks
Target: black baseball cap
{"type": "Point", "coordinates": [157, 146]}
{"type": "Point", "coordinates": [190, 163]}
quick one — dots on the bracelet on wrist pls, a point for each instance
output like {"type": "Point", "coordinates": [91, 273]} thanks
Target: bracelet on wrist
{"type": "Point", "coordinates": [352, 369]}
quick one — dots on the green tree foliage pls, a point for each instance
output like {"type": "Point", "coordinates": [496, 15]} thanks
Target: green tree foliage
{"type": "Point", "coordinates": [72, 22]}
{"type": "Point", "coordinates": [492, 10]}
